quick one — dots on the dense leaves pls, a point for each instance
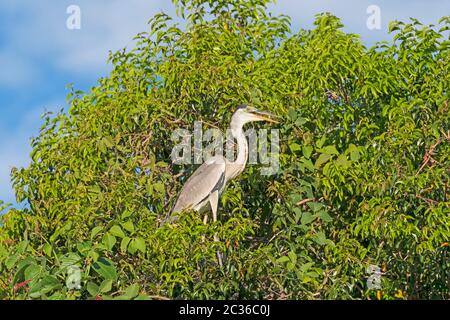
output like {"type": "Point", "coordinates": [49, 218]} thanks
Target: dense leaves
{"type": "Point", "coordinates": [364, 174]}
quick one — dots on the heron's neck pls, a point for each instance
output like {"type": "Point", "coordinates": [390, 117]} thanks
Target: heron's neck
{"type": "Point", "coordinates": [242, 146]}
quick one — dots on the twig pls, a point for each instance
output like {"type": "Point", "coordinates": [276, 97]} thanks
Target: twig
{"type": "Point", "coordinates": [428, 156]}
{"type": "Point", "coordinates": [209, 124]}
{"type": "Point", "coordinates": [304, 201]}
{"type": "Point", "coordinates": [274, 236]}
{"type": "Point", "coordinates": [159, 298]}
{"type": "Point", "coordinates": [427, 200]}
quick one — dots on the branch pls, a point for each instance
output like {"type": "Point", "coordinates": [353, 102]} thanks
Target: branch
{"type": "Point", "coordinates": [304, 201]}
{"type": "Point", "coordinates": [430, 152]}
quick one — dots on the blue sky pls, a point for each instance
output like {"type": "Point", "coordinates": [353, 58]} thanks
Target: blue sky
{"type": "Point", "coordinates": [39, 55]}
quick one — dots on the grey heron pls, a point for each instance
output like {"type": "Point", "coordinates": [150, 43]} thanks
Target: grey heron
{"type": "Point", "coordinates": [203, 188]}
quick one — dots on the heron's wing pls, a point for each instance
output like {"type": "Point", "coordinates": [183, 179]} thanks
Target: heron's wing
{"type": "Point", "coordinates": [210, 176]}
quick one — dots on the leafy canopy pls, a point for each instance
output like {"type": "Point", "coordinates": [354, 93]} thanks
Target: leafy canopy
{"type": "Point", "coordinates": [364, 155]}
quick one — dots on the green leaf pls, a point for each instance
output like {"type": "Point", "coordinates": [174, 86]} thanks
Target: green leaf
{"type": "Point", "coordinates": [93, 289]}
{"type": "Point", "coordinates": [308, 164]}
{"type": "Point", "coordinates": [69, 259]}
{"type": "Point", "coordinates": [292, 256]}
{"type": "Point", "coordinates": [128, 225]}
{"type": "Point", "coordinates": [47, 249]}
{"type": "Point", "coordinates": [11, 261]}
{"type": "Point", "coordinates": [331, 150]}
{"type": "Point", "coordinates": [32, 272]}
{"type": "Point", "coordinates": [105, 268]}
{"type": "Point", "coordinates": [307, 218]}
{"type": "Point", "coordinates": [342, 161]}
{"type": "Point", "coordinates": [108, 141]}
{"type": "Point", "coordinates": [294, 147]}
{"type": "Point", "coordinates": [305, 267]}
{"type": "Point", "coordinates": [323, 214]}
{"type": "Point", "coordinates": [354, 155]}
{"type": "Point", "coordinates": [95, 189]}
{"type": "Point", "coordinates": [132, 247]}
{"type": "Point", "coordinates": [290, 266]}
{"type": "Point", "coordinates": [323, 158]}
{"type": "Point", "coordinates": [139, 243]}
{"type": "Point", "coordinates": [126, 214]}
{"type": "Point", "coordinates": [300, 122]}
{"type": "Point", "coordinates": [315, 206]}
{"type": "Point", "coordinates": [132, 291]}
{"type": "Point", "coordinates": [84, 247]}
{"type": "Point", "coordinates": [109, 240]}
{"type": "Point", "coordinates": [95, 231]}
{"type": "Point", "coordinates": [124, 244]}
{"type": "Point", "coordinates": [292, 114]}
{"type": "Point", "coordinates": [117, 231]}
{"type": "Point", "coordinates": [320, 142]}
{"type": "Point", "coordinates": [106, 286]}
{"type": "Point", "coordinates": [44, 286]}
{"type": "Point", "coordinates": [94, 255]}
{"type": "Point", "coordinates": [307, 151]}
{"type": "Point", "coordinates": [159, 187]}
{"type": "Point", "coordinates": [283, 259]}
{"type": "Point", "coordinates": [320, 238]}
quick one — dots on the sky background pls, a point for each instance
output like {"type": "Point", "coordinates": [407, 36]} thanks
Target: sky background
{"type": "Point", "coordinates": [40, 56]}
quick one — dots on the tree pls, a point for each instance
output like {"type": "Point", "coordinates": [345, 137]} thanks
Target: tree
{"type": "Point", "coordinates": [364, 160]}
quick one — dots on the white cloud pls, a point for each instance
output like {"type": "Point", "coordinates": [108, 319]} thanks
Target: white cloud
{"type": "Point", "coordinates": [354, 16]}
{"type": "Point", "coordinates": [111, 24]}
{"type": "Point", "coordinates": [105, 25]}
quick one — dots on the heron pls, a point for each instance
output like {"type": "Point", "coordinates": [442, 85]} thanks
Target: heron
{"type": "Point", "coordinates": [202, 190]}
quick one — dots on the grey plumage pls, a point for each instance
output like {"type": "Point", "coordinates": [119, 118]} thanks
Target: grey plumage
{"type": "Point", "coordinates": [209, 177]}
{"type": "Point", "coordinates": [202, 190]}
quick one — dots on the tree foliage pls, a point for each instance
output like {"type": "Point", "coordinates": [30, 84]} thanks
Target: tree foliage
{"type": "Point", "coordinates": [364, 167]}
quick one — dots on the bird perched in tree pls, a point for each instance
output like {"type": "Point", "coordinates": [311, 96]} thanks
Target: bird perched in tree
{"type": "Point", "coordinates": [202, 190]}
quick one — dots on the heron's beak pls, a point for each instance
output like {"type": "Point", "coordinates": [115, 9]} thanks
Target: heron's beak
{"type": "Point", "coordinates": [265, 116]}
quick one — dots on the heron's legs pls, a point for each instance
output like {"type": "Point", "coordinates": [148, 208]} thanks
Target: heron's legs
{"type": "Point", "coordinates": [214, 201]}
{"type": "Point", "coordinates": [205, 221]}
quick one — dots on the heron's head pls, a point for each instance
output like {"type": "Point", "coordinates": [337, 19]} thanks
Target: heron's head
{"type": "Point", "coordinates": [245, 114]}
